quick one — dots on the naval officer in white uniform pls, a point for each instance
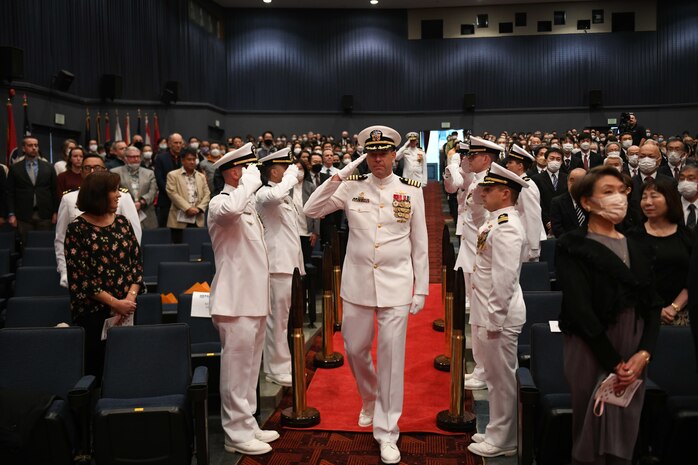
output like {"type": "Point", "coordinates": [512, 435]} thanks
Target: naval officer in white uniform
{"type": "Point", "coordinates": [239, 302]}
{"type": "Point", "coordinates": [415, 160]}
{"type": "Point", "coordinates": [280, 218]}
{"type": "Point", "coordinates": [528, 205]}
{"type": "Point", "coordinates": [386, 260]}
{"type": "Point", "coordinates": [497, 309]}
{"type": "Point", "coordinates": [68, 211]}
{"type": "Point", "coordinates": [466, 175]}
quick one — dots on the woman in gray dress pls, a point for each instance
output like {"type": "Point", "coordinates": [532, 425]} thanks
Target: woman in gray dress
{"type": "Point", "coordinates": [610, 317]}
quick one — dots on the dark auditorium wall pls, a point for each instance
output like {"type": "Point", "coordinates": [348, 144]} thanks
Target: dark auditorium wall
{"type": "Point", "coordinates": [287, 69]}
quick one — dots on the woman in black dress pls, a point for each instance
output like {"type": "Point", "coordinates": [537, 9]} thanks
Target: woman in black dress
{"type": "Point", "coordinates": [610, 317]}
{"type": "Point", "coordinates": [104, 265]}
{"type": "Point", "coordinates": [672, 242]}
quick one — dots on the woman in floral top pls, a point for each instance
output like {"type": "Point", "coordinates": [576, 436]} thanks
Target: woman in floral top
{"type": "Point", "coordinates": [103, 258]}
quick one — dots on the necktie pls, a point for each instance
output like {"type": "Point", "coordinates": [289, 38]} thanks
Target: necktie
{"type": "Point", "coordinates": [567, 163]}
{"type": "Point", "coordinates": [580, 215]}
{"type": "Point", "coordinates": [676, 174]}
{"type": "Point", "coordinates": [30, 172]}
{"type": "Point", "coordinates": [554, 177]}
{"type": "Point", "coordinates": [691, 220]}
{"type": "Point", "coordinates": [586, 162]}
{"type": "Point", "coordinates": [316, 177]}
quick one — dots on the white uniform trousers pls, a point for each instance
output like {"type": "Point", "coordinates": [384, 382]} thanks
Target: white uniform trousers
{"type": "Point", "coordinates": [499, 363]}
{"type": "Point", "coordinates": [478, 372]}
{"type": "Point", "coordinates": [381, 388]}
{"type": "Point", "coordinates": [277, 355]}
{"type": "Point", "coordinates": [242, 338]}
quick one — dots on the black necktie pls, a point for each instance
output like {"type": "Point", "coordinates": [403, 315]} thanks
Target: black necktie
{"type": "Point", "coordinates": [691, 220]}
{"type": "Point", "coordinates": [567, 163]}
{"type": "Point", "coordinates": [676, 173]}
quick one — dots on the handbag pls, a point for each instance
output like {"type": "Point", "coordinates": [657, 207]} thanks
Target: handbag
{"type": "Point", "coordinates": [605, 393]}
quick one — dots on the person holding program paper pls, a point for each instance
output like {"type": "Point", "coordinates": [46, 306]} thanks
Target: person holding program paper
{"type": "Point", "coordinates": [189, 194]}
{"type": "Point", "coordinates": [104, 266]}
{"type": "Point", "coordinates": [610, 317]}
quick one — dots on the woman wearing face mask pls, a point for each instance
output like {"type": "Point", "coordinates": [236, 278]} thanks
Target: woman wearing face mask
{"type": "Point", "coordinates": [610, 318]}
{"type": "Point", "coordinates": [663, 230]}
{"type": "Point", "coordinates": [71, 178]}
{"type": "Point", "coordinates": [147, 157]}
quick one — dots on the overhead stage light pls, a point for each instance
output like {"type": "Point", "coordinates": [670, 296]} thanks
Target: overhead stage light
{"type": "Point", "coordinates": [266, 1]}
{"type": "Point", "coordinates": [374, 2]}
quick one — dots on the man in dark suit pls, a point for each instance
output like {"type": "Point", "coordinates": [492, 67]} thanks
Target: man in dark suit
{"type": "Point", "coordinates": [539, 165]}
{"type": "Point", "coordinates": [677, 154]}
{"type": "Point", "coordinates": [32, 200]}
{"type": "Point", "coordinates": [586, 158]}
{"type": "Point", "coordinates": [551, 183]}
{"type": "Point", "coordinates": [649, 161]}
{"type": "Point", "coordinates": [565, 214]}
{"type": "Point", "coordinates": [164, 163]}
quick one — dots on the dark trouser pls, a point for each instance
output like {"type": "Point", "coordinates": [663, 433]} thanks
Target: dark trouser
{"type": "Point", "coordinates": [177, 233]}
{"type": "Point", "coordinates": [35, 224]}
{"type": "Point", "coordinates": [163, 213]}
{"type": "Point", "coordinates": [92, 323]}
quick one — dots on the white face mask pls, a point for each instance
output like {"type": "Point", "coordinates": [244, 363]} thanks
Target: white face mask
{"type": "Point", "coordinates": [93, 148]}
{"type": "Point", "coordinates": [301, 175]}
{"type": "Point", "coordinates": [688, 189]}
{"type": "Point", "coordinates": [585, 146]}
{"type": "Point", "coordinates": [147, 155]}
{"type": "Point", "coordinates": [296, 151]}
{"type": "Point", "coordinates": [633, 160]}
{"type": "Point", "coordinates": [163, 146]}
{"type": "Point", "coordinates": [197, 162]}
{"type": "Point", "coordinates": [194, 145]}
{"type": "Point", "coordinates": [215, 153]}
{"type": "Point", "coordinates": [346, 161]}
{"type": "Point", "coordinates": [567, 147]}
{"type": "Point", "coordinates": [554, 166]}
{"type": "Point", "coordinates": [613, 154]}
{"type": "Point", "coordinates": [647, 165]}
{"type": "Point", "coordinates": [674, 157]}
{"type": "Point", "coordinates": [612, 207]}
{"type": "Point", "coordinates": [133, 166]}
{"type": "Point", "coordinates": [627, 143]}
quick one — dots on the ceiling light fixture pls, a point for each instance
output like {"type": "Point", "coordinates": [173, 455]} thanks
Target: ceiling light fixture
{"type": "Point", "coordinates": [266, 1]}
{"type": "Point", "coordinates": [374, 2]}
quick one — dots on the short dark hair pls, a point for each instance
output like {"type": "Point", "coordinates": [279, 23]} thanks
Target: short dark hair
{"type": "Point", "coordinates": [667, 188]}
{"type": "Point", "coordinates": [678, 139]}
{"type": "Point", "coordinates": [93, 197]}
{"type": "Point", "coordinates": [553, 150]}
{"type": "Point", "coordinates": [190, 151]}
{"type": "Point", "coordinates": [89, 155]}
{"type": "Point", "coordinates": [585, 186]}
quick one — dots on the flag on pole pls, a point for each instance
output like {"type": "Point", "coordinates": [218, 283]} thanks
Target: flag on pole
{"type": "Point", "coordinates": [156, 128]}
{"type": "Point", "coordinates": [27, 131]}
{"type": "Point", "coordinates": [11, 135]}
{"type": "Point", "coordinates": [127, 139]}
{"type": "Point", "coordinates": [117, 127]}
{"type": "Point", "coordinates": [98, 123]}
{"type": "Point", "coordinates": [107, 128]}
{"type": "Point", "coordinates": [138, 126]}
{"type": "Point", "coordinates": [88, 129]}
{"type": "Point", "coordinates": [147, 130]}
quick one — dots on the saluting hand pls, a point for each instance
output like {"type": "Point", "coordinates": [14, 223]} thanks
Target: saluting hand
{"type": "Point", "coordinates": [345, 172]}
{"type": "Point", "coordinates": [292, 172]}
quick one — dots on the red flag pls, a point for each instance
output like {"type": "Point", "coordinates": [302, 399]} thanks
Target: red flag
{"type": "Point", "coordinates": [98, 123]}
{"type": "Point", "coordinates": [11, 130]}
{"type": "Point", "coordinates": [156, 128]}
{"type": "Point", "coordinates": [107, 129]}
{"type": "Point", "coordinates": [147, 130]}
{"type": "Point", "coordinates": [128, 130]}
{"type": "Point", "coordinates": [88, 129]}
{"type": "Point", "coordinates": [117, 127]}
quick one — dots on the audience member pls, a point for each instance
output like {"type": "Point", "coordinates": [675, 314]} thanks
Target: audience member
{"type": "Point", "coordinates": [188, 191]}
{"type": "Point", "coordinates": [649, 162]}
{"type": "Point", "coordinates": [117, 150]}
{"type": "Point", "coordinates": [71, 178]}
{"type": "Point", "coordinates": [551, 183]}
{"type": "Point", "coordinates": [62, 165]}
{"type": "Point", "coordinates": [168, 159]}
{"type": "Point", "coordinates": [565, 213]}
{"type": "Point", "coordinates": [141, 186]}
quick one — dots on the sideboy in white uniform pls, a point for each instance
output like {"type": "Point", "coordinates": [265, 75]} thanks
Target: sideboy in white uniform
{"type": "Point", "coordinates": [239, 298]}
{"type": "Point", "coordinates": [386, 259]}
{"type": "Point", "coordinates": [415, 160]}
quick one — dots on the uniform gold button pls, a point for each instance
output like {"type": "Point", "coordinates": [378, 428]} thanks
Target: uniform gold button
{"type": "Point", "coordinates": [375, 265]}
{"type": "Point", "coordinates": [381, 205]}
{"type": "Point", "coordinates": [376, 245]}
{"type": "Point", "coordinates": [379, 225]}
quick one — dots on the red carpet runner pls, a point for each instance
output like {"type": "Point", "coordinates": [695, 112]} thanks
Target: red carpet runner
{"type": "Point", "coordinates": [333, 391]}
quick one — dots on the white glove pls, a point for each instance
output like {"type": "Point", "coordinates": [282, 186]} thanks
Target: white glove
{"type": "Point", "coordinates": [455, 160]}
{"type": "Point", "coordinates": [417, 304]}
{"type": "Point", "coordinates": [533, 255]}
{"type": "Point", "coordinates": [465, 164]}
{"type": "Point", "coordinates": [251, 171]}
{"type": "Point", "coordinates": [251, 177]}
{"type": "Point", "coordinates": [292, 172]}
{"type": "Point", "coordinates": [345, 172]}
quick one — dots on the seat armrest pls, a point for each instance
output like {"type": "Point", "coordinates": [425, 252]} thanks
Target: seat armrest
{"type": "Point", "coordinates": [527, 394]}
{"type": "Point", "coordinates": [198, 389]}
{"type": "Point", "coordinates": [80, 400]}
{"type": "Point", "coordinates": [528, 391]}
{"type": "Point", "coordinates": [198, 395]}
{"type": "Point", "coordinates": [79, 395]}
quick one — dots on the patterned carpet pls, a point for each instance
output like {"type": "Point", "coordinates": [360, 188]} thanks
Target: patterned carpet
{"type": "Point", "coordinates": [296, 447]}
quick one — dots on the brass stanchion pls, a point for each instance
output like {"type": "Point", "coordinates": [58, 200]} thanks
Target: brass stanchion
{"type": "Point", "coordinates": [337, 279]}
{"type": "Point", "coordinates": [328, 358]}
{"type": "Point", "coordinates": [456, 419]}
{"type": "Point", "coordinates": [439, 323]}
{"type": "Point", "coordinates": [443, 362]}
{"type": "Point", "coordinates": [299, 415]}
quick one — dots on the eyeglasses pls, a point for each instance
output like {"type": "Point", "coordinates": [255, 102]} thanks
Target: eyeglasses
{"type": "Point", "coordinates": [93, 168]}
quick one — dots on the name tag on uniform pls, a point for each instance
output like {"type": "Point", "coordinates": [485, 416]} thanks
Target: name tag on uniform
{"type": "Point", "coordinates": [200, 305]}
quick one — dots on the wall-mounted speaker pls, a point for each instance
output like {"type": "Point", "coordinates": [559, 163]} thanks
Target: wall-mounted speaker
{"type": "Point", "coordinates": [595, 98]}
{"type": "Point", "coordinates": [170, 93]}
{"type": "Point", "coordinates": [62, 80]}
{"type": "Point", "coordinates": [347, 103]}
{"type": "Point", "coordinates": [11, 63]}
{"type": "Point", "coordinates": [468, 102]}
{"type": "Point", "coordinates": [110, 87]}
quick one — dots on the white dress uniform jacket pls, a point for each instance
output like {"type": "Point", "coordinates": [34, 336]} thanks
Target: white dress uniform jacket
{"type": "Point", "coordinates": [280, 218]}
{"type": "Point", "coordinates": [68, 211]}
{"type": "Point", "coordinates": [528, 208]}
{"type": "Point", "coordinates": [473, 217]}
{"type": "Point", "coordinates": [458, 185]}
{"type": "Point", "coordinates": [387, 252]}
{"type": "Point", "coordinates": [415, 165]}
{"type": "Point", "coordinates": [241, 284]}
{"type": "Point", "coordinates": [497, 300]}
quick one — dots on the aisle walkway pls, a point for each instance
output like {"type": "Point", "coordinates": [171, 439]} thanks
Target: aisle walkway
{"type": "Point", "coordinates": [433, 203]}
